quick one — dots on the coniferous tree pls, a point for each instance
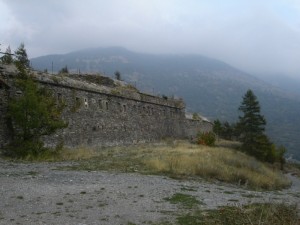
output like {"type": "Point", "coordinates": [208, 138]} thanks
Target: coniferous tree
{"type": "Point", "coordinates": [224, 130]}
{"type": "Point", "coordinates": [118, 75]}
{"type": "Point", "coordinates": [64, 70]}
{"type": "Point", "coordinates": [252, 126]}
{"type": "Point", "coordinates": [217, 127]}
{"type": "Point", "coordinates": [7, 57]}
{"type": "Point", "coordinates": [21, 57]}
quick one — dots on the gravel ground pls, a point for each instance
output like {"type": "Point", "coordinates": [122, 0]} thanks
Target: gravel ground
{"type": "Point", "coordinates": [41, 193]}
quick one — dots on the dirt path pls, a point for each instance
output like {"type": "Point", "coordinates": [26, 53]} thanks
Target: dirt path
{"type": "Point", "coordinates": [39, 193]}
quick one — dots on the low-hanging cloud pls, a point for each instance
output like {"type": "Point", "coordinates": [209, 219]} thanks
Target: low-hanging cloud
{"type": "Point", "coordinates": [251, 35]}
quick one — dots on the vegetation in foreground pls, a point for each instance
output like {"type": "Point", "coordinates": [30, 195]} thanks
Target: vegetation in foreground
{"type": "Point", "coordinates": [179, 159]}
{"type": "Point", "coordinates": [252, 214]}
{"type": "Point", "coordinates": [256, 213]}
{"type": "Point", "coordinates": [266, 214]}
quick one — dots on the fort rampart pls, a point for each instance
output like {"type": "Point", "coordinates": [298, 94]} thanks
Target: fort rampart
{"type": "Point", "coordinates": [104, 112]}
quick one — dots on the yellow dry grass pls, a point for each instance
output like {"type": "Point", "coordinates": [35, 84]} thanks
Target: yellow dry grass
{"type": "Point", "coordinates": [80, 153]}
{"type": "Point", "coordinates": [219, 163]}
{"type": "Point", "coordinates": [181, 159]}
{"type": "Point", "coordinates": [66, 154]}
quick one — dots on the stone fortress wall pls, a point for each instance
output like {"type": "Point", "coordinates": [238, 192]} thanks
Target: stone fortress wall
{"type": "Point", "coordinates": [104, 112]}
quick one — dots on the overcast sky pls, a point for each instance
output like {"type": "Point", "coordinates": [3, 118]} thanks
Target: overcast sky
{"type": "Point", "coordinates": [258, 36]}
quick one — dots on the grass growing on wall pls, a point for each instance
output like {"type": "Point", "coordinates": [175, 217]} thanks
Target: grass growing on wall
{"type": "Point", "coordinates": [180, 159]}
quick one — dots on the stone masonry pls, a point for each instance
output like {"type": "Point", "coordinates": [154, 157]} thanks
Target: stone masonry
{"type": "Point", "coordinates": [104, 112]}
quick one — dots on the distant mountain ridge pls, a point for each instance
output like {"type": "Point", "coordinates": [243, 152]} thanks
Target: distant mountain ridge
{"type": "Point", "coordinates": [208, 86]}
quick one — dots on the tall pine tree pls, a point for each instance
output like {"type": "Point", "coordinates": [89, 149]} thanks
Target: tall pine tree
{"type": "Point", "coordinates": [252, 126]}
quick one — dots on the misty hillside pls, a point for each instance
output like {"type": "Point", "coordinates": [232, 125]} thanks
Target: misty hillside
{"type": "Point", "coordinates": [208, 86]}
{"type": "Point", "coordinates": [290, 84]}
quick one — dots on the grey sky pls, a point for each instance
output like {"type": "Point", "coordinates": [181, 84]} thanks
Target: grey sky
{"type": "Point", "coordinates": [258, 36]}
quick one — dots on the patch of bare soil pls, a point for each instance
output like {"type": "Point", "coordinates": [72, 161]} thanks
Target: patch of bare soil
{"type": "Point", "coordinates": [41, 193]}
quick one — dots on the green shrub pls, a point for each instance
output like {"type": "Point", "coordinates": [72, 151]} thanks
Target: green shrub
{"type": "Point", "coordinates": [24, 148]}
{"type": "Point", "coordinates": [207, 138]}
{"type": "Point", "coordinates": [31, 116]}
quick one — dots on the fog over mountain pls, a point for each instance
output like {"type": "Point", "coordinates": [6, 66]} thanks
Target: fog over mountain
{"type": "Point", "coordinates": [286, 83]}
{"type": "Point", "coordinates": [208, 86]}
{"type": "Point", "coordinates": [260, 37]}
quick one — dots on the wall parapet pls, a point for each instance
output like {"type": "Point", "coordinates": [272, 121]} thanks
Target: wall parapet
{"type": "Point", "coordinates": [111, 90]}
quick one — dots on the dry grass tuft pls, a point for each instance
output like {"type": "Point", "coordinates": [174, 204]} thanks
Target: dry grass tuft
{"type": "Point", "coordinates": [66, 154]}
{"type": "Point", "coordinates": [80, 153]}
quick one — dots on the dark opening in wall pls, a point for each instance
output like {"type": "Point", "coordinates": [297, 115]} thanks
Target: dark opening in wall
{"type": "Point", "coordinates": [77, 101]}
{"type": "Point", "coordinates": [106, 105]}
{"type": "Point", "coordinates": [124, 108]}
{"type": "Point", "coordinates": [76, 105]}
{"type": "Point", "coordinates": [100, 104]}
